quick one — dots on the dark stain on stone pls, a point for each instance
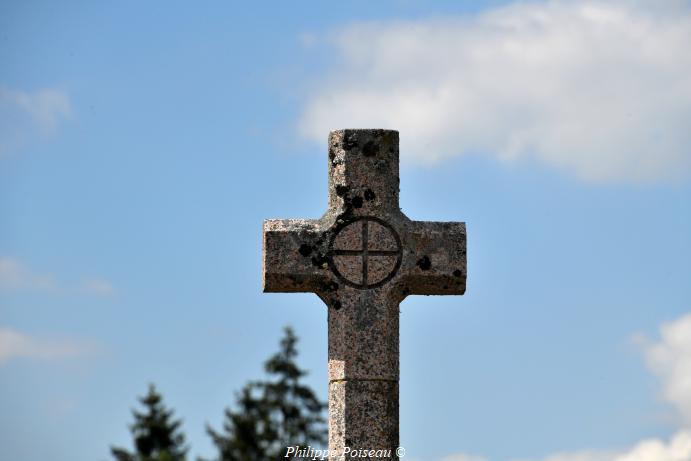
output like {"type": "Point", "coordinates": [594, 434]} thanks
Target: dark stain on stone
{"type": "Point", "coordinates": [341, 190]}
{"type": "Point", "coordinates": [337, 305]}
{"type": "Point", "coordinates": [357, 202]}
{"type": "Point", "coordinates": [457, 273]}
{"type": "Point", "coordinates": [445, 287]}
{"type": "Point", "coordinates": [406, 291]}
{"type": "Point", "coordinates": [305, 250]}
{"type": "Point", "coordinates": [331, 286]}
{"type": "Point", "coordinates": [369, 195]}
{"type": "Point", "coordinates": [424, 263]}
{"type": "Point", "coordinates": [350, 142]}
{"type": "Point", "coordinates": [370, 149]}
{"type": "Point", "coordinates": [295, 281]}
{"type": "Point", "coordinates": [319, 260]}
{"type": "Point", "coordinates": [347, 212]}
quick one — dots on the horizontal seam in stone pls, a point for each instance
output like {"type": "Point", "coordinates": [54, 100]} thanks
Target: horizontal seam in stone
{"type": "Point", "coordinates": [363, 379]}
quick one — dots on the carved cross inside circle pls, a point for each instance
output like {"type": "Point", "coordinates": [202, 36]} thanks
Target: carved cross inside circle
{"type": "Point", "coordinates": [365, 252]}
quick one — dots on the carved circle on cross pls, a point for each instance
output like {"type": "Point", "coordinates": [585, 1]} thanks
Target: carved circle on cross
{"type": "Point", "coordinates": [365, 252]}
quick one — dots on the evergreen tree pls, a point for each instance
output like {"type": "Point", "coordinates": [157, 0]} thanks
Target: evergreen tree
{"type": "Point", "coordinates": [157, 436]}
{"type": "Point", "coordinates": [272, 414]}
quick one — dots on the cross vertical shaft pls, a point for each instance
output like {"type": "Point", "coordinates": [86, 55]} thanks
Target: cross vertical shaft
{"type": "Point", "coordinates": [362, 258]}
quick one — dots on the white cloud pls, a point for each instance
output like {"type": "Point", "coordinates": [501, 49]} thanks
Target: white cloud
{"type": "Point", "coordinates": [586, 455]}
{"type": "Point", "coordinates": [23, 114]}
{"type": "Point", "coordinates": [14, 345]}
{"type": "Point", "coordinates": [677, 449]}
{"type": "Point", "coordinates": [599, 89]}
{"type": "Point", "coordinates": [670, 360]}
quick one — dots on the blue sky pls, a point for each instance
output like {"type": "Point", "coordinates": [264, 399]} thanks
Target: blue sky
{"type": "Point", "coordinates": [141, 146]}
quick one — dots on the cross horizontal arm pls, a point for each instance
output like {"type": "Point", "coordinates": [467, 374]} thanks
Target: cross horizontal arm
{"type": "Point", "coordinates": [437, 256]}
{"type": "Point", "coordinates": [290, 260]}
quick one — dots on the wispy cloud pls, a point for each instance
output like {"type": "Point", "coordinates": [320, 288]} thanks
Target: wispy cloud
{"type": "Point", "coordinates": [599, 89]}
{"type": "Point", "coordinates": [25, 115]}
{"type": "Point", "coordinates": [463, 457]}
{"type": "Point", "coordinates": [16, 345]}
{"type": "Point", "coordinates": [17, 276]}
{"type": "Point", "coordinates": [98, 287]}
{"type": "Point", "coordinates": [14, 275]}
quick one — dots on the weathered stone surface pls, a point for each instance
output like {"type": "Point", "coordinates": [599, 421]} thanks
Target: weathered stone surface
{"type": "Point", "coordinates": [363, 410]}
{"type": "Point", "coordinates": [362, 258]}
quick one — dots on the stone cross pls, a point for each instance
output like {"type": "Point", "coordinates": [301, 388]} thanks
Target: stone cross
{"type": "Point", "coordinates": [362, 258]}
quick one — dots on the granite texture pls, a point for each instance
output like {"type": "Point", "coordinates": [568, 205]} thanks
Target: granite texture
{"type": "Point", "coordinates": [362, 258]}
